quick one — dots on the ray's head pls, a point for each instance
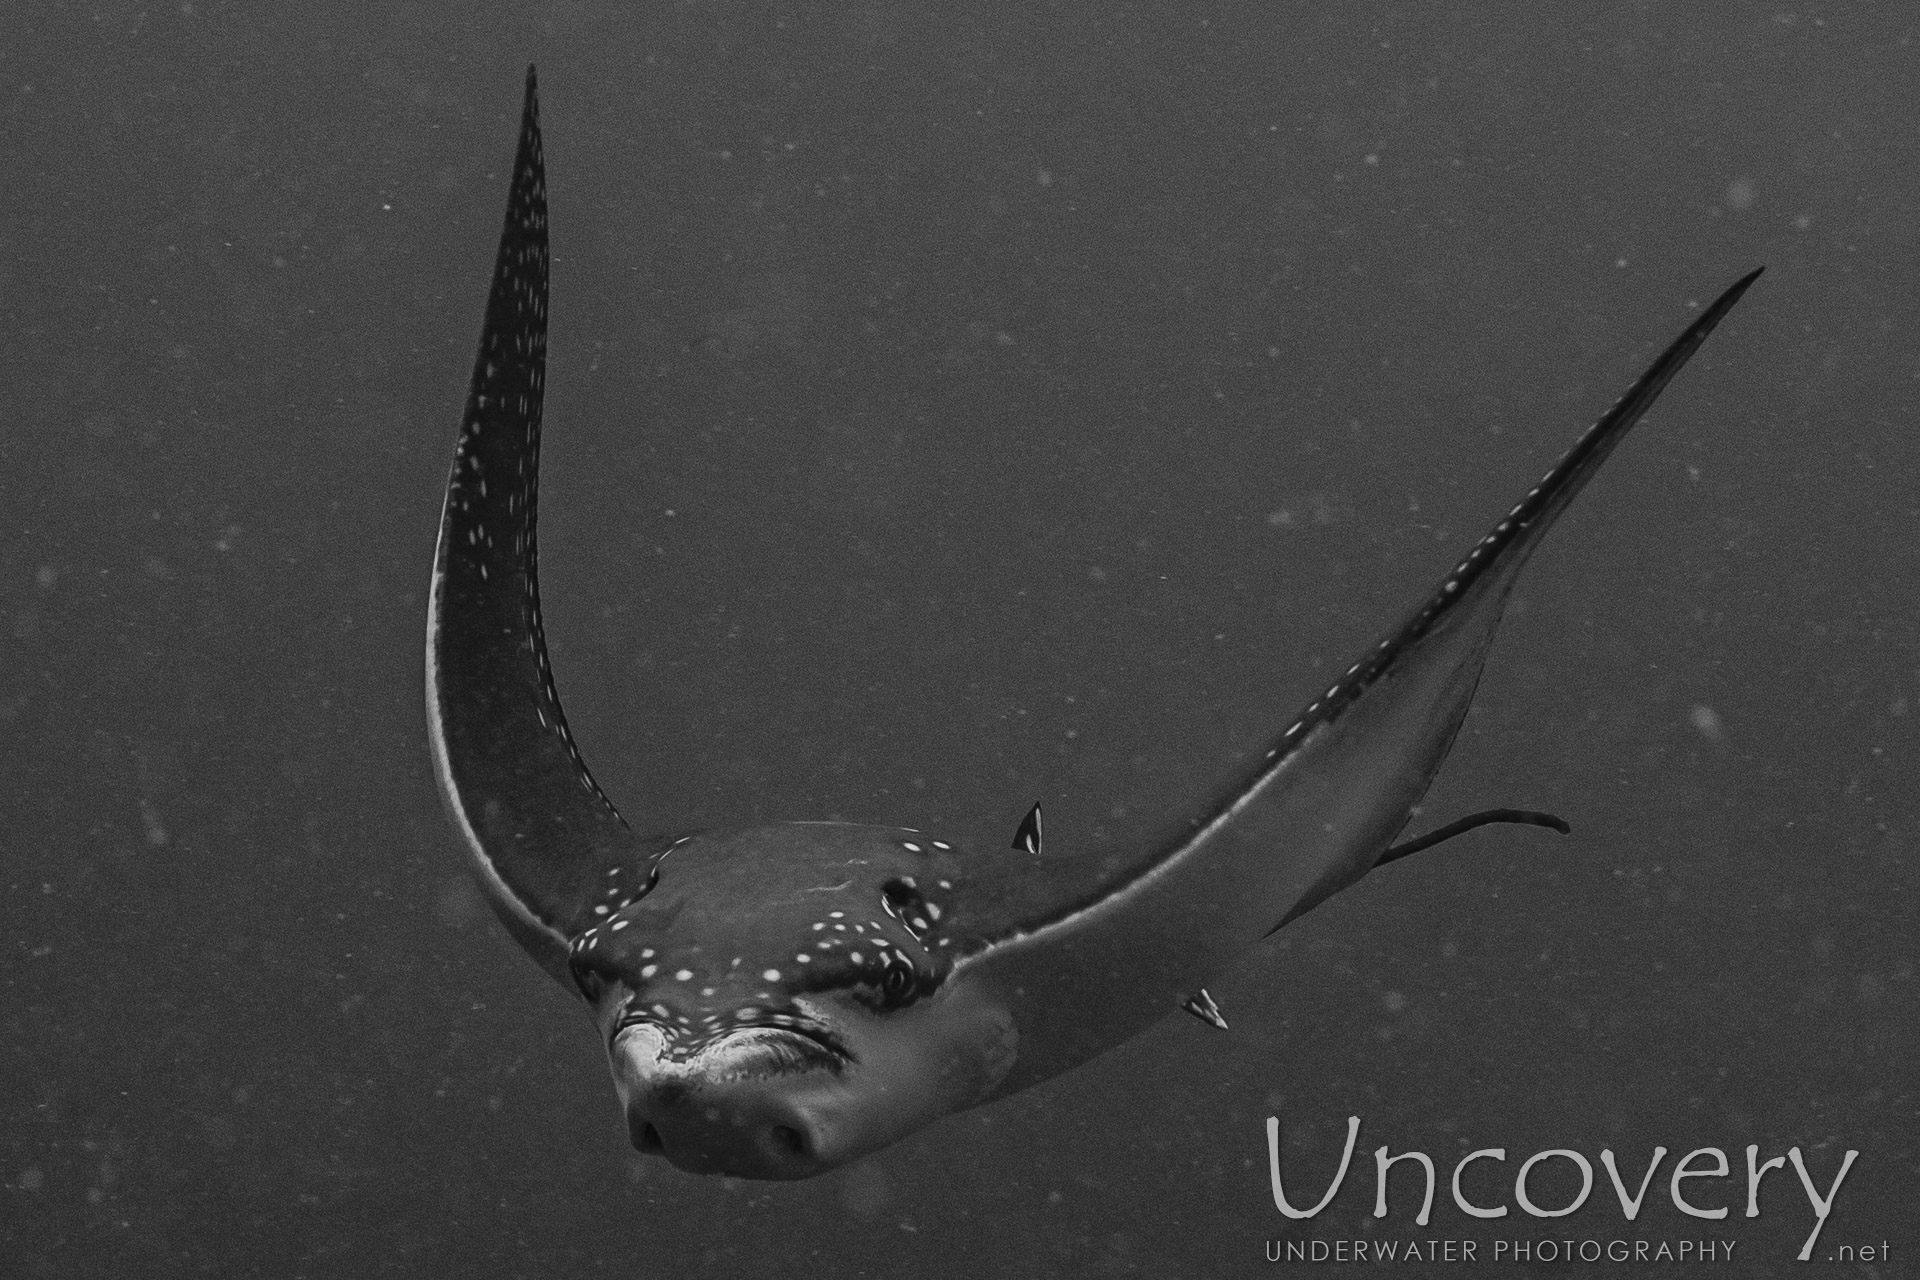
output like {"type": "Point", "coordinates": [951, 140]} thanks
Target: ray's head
{"type": "Point", "coordinates": [777, 1005]}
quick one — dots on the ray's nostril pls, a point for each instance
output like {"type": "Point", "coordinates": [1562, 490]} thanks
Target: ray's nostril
{"type": "Point", "coordinates": [644, 1136]}
{"type": "Point", "coordinates": [789, 1139]}
{"type": "Point", "coordinates": [749, 1137]}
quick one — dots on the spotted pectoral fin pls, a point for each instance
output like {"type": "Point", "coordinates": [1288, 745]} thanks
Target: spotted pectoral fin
{"type": "Point", "coordinates": [1311, 817]}
{"type": "Point", "coordinates": [543, 837]}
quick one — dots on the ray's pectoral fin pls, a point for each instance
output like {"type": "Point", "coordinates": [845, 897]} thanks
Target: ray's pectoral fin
{"type": "Point", "coordinates": [1312, 816]}
{"type": "Point", "coordinates": [546, 842]}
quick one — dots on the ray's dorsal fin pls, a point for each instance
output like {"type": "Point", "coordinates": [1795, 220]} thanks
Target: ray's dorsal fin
{"type": "Point", "coordinates": [1312, 816]}
{"type": "Point", "coordinates": [541, 832]}
{"type": "Point", "coordinates": [1027, 838]}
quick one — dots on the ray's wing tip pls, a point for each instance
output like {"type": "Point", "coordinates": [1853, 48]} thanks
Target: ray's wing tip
{"type": "Point", "coordinates": [1724, 303]}
{"type": "Point", "coordinates": [1745, 282]}
{"type": "Point", "coordinates": [530, 104]}
{"type": "Point", "coordinates": [1697, 332]}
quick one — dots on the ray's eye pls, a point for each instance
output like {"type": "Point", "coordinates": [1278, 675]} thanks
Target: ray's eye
{"type": "Point", "coordinates": [897, 981]}
{"type": "Point", "coordinates": [900, 897]}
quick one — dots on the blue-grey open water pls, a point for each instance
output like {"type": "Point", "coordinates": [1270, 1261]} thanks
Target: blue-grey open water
{"type": "Point", "coordinates": [954, 405]}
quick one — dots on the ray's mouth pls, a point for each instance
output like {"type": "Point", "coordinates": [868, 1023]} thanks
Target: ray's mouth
{"type": "Point", "coordinates": [791, 1049]}
{"type": "Point", "coordinates": [790, 1046]}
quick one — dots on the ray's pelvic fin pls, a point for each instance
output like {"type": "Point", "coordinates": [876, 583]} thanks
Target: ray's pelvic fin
{"type": "Point", "coordinates": [1027, 838]}
{"type": "Point", "coordinates": [1202, 1006]}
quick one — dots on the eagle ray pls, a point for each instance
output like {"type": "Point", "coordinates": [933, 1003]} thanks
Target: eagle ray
{"type": "Point", "coordinates": [778, 1000]}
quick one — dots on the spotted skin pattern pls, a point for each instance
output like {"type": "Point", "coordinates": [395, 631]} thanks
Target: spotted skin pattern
{"type": "Point", "coordinates": [778, 1000]}
{"type": "Point", "coordinates": [529, 811]}
{"type": "Point", "coordinates": [744, 923]}
{"type": "Point", "coordinates": [1496, 559]}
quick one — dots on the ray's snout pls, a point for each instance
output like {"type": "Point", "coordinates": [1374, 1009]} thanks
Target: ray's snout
{"type": "Point", "coordinates": [830, 1085]}
{"type": "Point", "coordinates": [726, 1128]}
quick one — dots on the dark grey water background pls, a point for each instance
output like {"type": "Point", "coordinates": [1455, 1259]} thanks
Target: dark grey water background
{"type": "Point", "coordinates": [952, 405]}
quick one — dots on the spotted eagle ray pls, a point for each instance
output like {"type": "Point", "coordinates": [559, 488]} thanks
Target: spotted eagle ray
{"type": "Point", "coordinates": [779, 1000]}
